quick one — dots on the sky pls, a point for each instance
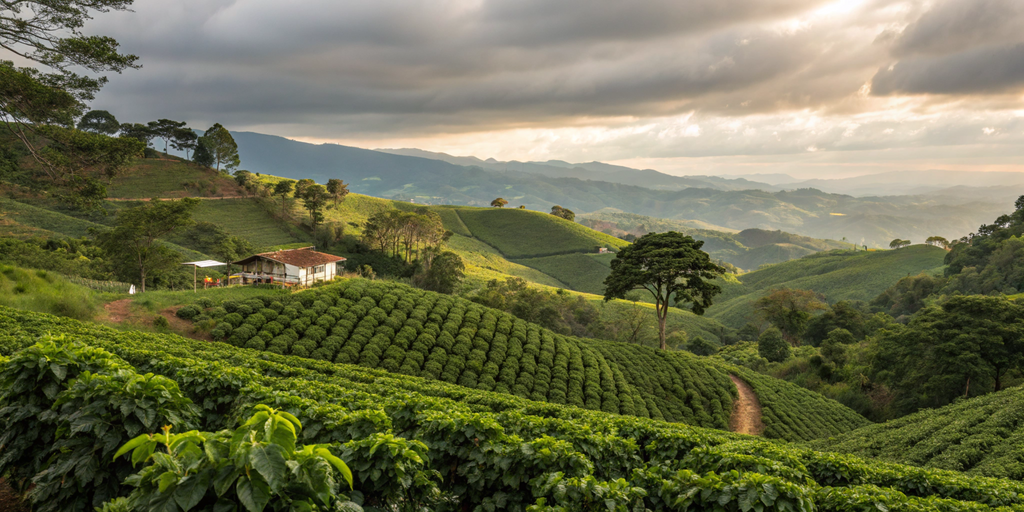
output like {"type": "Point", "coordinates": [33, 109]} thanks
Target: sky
{"type": "Point", "coordinates": [812, 88]}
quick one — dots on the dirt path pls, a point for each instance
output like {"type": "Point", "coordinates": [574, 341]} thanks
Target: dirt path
{"type": "Point", "coordinates": [746, 411]}
{"type": "Point", "coordinates": [119, 310]}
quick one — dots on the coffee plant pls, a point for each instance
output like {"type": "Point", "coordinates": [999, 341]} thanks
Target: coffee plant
{"type": "Point", "coordinates": [420, 444]}
{"type": "Point", "coordinates": [404, 330]}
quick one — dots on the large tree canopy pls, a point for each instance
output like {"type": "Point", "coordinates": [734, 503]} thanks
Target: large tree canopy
{"type": "Point", "coordinates": [134, 244]}
{"type": "Point", "coordinates": [39, 108]}
{"type": "Point", "coordinates": [964, 347]}
{"type": "Point", "coordinates": [222, 147]}
{"type": "Point", "coordinates": [671, 267]}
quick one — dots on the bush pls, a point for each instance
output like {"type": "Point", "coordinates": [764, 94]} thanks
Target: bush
{"type": "Point", "coordinates": [188, 312]}
{"type": "Point", "coordinates": [772, 346]}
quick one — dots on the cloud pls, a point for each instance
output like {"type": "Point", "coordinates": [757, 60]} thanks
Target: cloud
{"type": "Point", "coordinates": [548, 78]}
{"type": "Point", "coordinates": [959, 47]}
{"type": "Point", "coordinates": [978, 70]}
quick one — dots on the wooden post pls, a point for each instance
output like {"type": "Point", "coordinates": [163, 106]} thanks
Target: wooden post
{"type": "Point", "coordinates": [194, 271]}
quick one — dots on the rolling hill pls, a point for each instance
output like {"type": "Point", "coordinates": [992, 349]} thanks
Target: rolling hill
{"type": "Point", "coordinates": [982, 436]}
{"type": "Point", "coordinates": [838, 275]}
{"type": "Point", "coordinates": [480, 449]}
{"type": "Point", "coordinates": [747, 249]}
{"type": "Point", "coordinates": [413, 332]}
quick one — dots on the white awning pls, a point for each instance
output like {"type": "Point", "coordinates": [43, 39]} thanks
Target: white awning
{"type": "Point", "coordinates": [205, 263]}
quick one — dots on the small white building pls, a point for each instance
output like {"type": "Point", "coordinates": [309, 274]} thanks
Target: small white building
{"type": "Point", "coordinates": [291, 266]}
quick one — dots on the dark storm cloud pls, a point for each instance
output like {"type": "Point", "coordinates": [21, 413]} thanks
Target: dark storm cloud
{"type": "Point", "coordinates": [978, 70]}
{"type": "Point", "coordinates": [959, 47]}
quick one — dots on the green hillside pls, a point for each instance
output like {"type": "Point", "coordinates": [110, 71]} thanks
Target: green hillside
{"type": "Point", "coordinates": [424, 334]}
{"type": "Point", "coordinates": [838, 275]}
{"type": "Point", "coordinates": [474, 449]}
{"type": "Point", "coordinates": [579, 271]}
{"type": "Point", "coordinates": [748, 249]}
{"type": "Point", "coordinates": [529, 234]}
{"type": "Point", "coordinates": [171, 177]}
{"type": "Point", "coordinates": [247, 219]}
{"type": "Point", "coordinates": [982, 435]}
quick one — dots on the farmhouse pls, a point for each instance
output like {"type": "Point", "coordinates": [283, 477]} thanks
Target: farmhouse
{"type": "Point", "coordinates": [292, 266]}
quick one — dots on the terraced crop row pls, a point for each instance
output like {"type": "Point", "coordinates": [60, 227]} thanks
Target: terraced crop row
{"type": "Point", "coordinates": [446, 447]}
{"type": "Point", "coordinates": [982, 436]}
{"type": "Point", "coordinates": [405, 330]}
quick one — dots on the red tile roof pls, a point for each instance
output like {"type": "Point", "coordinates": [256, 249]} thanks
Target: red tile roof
{"type": "Point", "coordinates": [305, 257]}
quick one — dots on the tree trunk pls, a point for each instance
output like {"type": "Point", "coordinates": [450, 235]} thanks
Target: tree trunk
{"type": "Point", "coordinates": [662, 313]}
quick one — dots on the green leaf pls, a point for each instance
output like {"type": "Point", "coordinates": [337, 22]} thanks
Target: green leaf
{"type": "Point", "coordinates": [191, 490]}
{"type": "Point", "coordinates": [225, 478]}
{"type": "Point", "coordinates": [167, 479]}
{"type": "Point", "coordinates": [131, 445]}
{"type": "Point", "coordinates": [254, 494]}
{"type": "Point", "coordinates": [338, 464]}
{"type": "Point", "coordinates": [269, 462]}
{"type": "Point", "coordinates": [288, 416]}
{"type": "Point", "coordinates": [283, 434]}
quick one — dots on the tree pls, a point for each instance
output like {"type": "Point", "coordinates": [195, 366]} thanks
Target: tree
{"type": "Point", "coordinates": [245, 179]}
{"type": "Point", "coordinates": [184, 139]}
{"type": "Point", "coordinates": [671, 267]}
{"type": "Point", "coordinates": [702, 347]}
{"type": "Point", "coordinates": [962, 348]}
{"type": "Point", "coordinates": [166, 130]}
{"type": "Point", "coordinates": [133, 242]}
{"type": "Point", "coordinates": [499, 203]}
{"type": "Point", "coordinates": [302, 185]}
{"type": "Point", "coordinates": [564, 213]}
{"type": "Point", "coordinates": [231, 247]}
{"type": "Point", "coordinates": [99, 121]}
{"type": "Point", "coordinates": [445, 274]}
{"type": "Point", "coordinates": [314, 199]}
{"type": "Point", "coordinates": [337, 189]}
{"type": "Point", "coordinates": [137, 131]}
{"type": "Point", "coordinates": [937, 241]}
{"type": "Point", "coordinates": [789, 310]}
{"type": "Point", "coordinates": [898, 243]}
{"type": "Point", "coordinates": [772, 346]}
{"type": "Point", "coordinates": [203, 153]}
{"type": "Point", "coordinates": [222, 147]}
{"type": "Point", "coordinates": [834, 347]}
{"type": "Point", "coordinates": [39, 108]}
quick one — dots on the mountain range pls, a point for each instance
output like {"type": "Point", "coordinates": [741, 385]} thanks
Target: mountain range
{"type": "Point", "coordinates": [874, 221]}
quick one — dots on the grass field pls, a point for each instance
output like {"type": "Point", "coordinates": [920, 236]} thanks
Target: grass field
{"type": "Point", "coordinates": [46, 292]}
{"type": "Point", "coordinates": [166, 178]}
{"type": "Point", "coordinates": [36, 217]}
{"type": "Point", "coordinates": [580, 272]}
{"type": "Point", "coordinates": [529, 234]}
{"type": "Point", "coordinates": [484, 263]}
{"type": "Point", "coordinates": [247, 219]}
{"type": "Point", "coordinates": [838, 275]}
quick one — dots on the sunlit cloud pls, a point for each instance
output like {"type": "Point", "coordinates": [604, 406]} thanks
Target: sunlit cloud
{"type": "Point", "coordinates": [707, 86]}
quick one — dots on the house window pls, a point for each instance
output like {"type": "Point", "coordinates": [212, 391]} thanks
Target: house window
{"type": "Point", "coordinates": [318, 269]}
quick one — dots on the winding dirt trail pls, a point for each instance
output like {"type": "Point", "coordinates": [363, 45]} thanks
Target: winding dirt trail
{"type": "Point", "coordinates": [746, 411]}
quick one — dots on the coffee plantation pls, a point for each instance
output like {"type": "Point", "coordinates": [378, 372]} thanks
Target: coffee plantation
{"type": "Point", "coordinates": [418, 444]}
{"type": "Point", "coordinates": [404, 330]}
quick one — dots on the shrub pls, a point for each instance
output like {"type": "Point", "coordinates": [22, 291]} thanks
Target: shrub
{"type": "Point", "coordinates": [188, 312]}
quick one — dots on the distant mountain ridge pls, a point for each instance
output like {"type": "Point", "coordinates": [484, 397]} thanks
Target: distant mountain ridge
{"type": "Point", "coordinates": [648, 178]}
{"type": "Point", "coordinates": [871, 221]}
